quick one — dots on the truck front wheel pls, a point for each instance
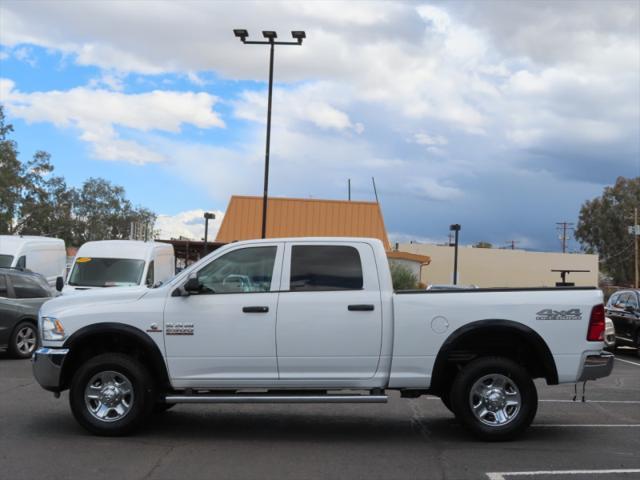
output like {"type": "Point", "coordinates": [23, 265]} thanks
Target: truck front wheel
{"type": "Point", "coordinates": [494, 398]}
{"type": "Point", "coordinates": [112, 394]}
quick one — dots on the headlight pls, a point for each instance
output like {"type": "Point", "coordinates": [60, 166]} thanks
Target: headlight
{"type": "Point", "coordinates": [52, 329]}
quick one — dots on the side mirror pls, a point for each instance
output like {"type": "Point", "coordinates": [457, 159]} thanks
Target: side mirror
{"type": "Point", "coordinates": [59, 284]}
{"type": "Point", "coordinates": [192, 286]}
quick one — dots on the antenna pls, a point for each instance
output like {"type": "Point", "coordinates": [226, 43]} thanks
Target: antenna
{"type": "Point", "coordinates": [375, 191]}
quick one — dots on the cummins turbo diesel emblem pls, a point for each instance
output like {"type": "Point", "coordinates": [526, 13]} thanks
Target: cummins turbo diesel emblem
{"type": "Point", "coordinates": [549, 314]}
{"type": "Point", "coordinates": [179, 328]}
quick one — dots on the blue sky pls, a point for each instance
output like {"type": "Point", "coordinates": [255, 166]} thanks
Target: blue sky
{"type": "Point", "coordinates": [502, 116]}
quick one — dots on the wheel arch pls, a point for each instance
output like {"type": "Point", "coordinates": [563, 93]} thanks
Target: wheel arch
{"type": "Point", "coordinates": [107, 337]}
{"type": "Point", "coordinates": [493, 337]}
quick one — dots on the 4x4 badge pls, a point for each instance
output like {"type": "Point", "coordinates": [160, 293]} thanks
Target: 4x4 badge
{"type": "Point", "coordinates": [550, 314]}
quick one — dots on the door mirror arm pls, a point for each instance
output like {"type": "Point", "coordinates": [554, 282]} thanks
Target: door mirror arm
{"type": "Point", "coordinates": [192, 286]}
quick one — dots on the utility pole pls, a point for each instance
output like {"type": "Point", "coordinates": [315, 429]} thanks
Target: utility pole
{"type": "Point", "coordinates": [270, 36]}
{"type": "Point", "coordinates": [636, 237]}
{"type": "Point", "coordinates": [455, 228]}
{"type": "Point", "coordinates": [349, 187]}
{"type": "Point", "coordinates": [513, 243]}
{"type": "Point", "coordinates": [565, 227]}
{"type": "Point", "coordinates": [207, 216]}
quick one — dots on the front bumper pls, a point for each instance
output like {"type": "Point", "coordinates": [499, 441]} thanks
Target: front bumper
{"type": "Point", "coordinates": [597, 366]}
{"type": "Point", "coordinates": [47, 367]}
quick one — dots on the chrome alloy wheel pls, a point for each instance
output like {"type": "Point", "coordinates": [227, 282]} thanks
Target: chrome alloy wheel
{"type": "Point", "coordinates": [26, 340]}
{"type": "Point", "coordinates": [495, 400]}
{"type": "Point", "coordinates": [109, 396]}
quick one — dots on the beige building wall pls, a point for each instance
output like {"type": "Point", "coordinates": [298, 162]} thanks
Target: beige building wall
{"type": "Point", "coordinates": [489, 267]}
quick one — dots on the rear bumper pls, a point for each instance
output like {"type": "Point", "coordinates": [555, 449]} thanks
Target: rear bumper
{"type": "Point", "coordinates": [597, 366]}
{"type": "Point", "coordinates": [47, 366]}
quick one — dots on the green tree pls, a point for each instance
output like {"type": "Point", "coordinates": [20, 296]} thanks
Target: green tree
{"type": "Point", "coordinates": [602, 228]}
{"type": "Point", "coordinates": [103, 212]}
{"type": "Point", "coordinates": [402, 278]}
{"type": "Point", "coordinates": [10, 177]}
{"type": "Point", "coordinates": [483, 244]}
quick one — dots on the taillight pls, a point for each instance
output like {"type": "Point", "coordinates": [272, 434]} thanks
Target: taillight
{"type": "Point", "coordinates": [596, 324]}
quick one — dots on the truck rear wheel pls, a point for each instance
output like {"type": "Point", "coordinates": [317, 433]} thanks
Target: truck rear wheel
{"type": "Point", "coordinates": [112, 394]}
{"type": "Point", "coordinates": [494, 398]}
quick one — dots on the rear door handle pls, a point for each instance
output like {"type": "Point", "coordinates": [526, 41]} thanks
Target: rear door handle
{"type": "Point", "coordinates": [360, 308]}
{"type": "Point", "coordinates": [255, 309]}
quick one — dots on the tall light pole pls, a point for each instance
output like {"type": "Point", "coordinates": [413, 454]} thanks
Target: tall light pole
{"type": "Point", "coordinates": [456, 229]}
{"type": "Point", "coordinates": [270, 36]}
{"type": "Point", "coordinates": [207, 216]}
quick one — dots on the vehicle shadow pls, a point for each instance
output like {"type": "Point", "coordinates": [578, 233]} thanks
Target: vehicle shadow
{"type": "Point", "coordinates": [197, 427]}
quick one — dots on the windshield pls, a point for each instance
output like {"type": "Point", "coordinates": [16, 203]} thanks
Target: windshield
{"type": "Point", "coordinates": [5, 260]}
{"type": "Point", "coordinates": [106, 272]}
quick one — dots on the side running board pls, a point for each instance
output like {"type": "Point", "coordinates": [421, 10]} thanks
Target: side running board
{"type": "Point", "coordinates": [267, 398]}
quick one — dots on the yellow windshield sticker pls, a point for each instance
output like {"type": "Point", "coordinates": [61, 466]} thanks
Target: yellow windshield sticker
{"type": "Point", "coordinates": [83, 260]}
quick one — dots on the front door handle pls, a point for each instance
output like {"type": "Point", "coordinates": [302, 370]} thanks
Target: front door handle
{"type": "Point", "coordinates": [255, 309]}
{"type": "Point", "coordinates": [360, 308]}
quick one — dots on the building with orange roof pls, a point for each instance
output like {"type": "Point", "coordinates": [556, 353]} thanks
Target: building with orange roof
{"type": "Point", "coordinates": [302, 217]}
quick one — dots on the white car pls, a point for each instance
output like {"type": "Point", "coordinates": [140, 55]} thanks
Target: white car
{"type": "Point", "coordinates": [303, 320]}
{"type": "Point", "coordinates": [120, 263]}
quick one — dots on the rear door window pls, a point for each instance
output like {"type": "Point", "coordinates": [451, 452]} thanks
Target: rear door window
{"type": "Point", "coordinates": [325, 268]}
{"type": "Point", "coordinates": [27, 287]}
{"type": "Point", "coordinates": [3, 287]}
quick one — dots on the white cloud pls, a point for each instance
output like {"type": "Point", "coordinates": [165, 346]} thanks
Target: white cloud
{"type": "Point", "coordinates": [97, 113]}
{"type": "Point", "coordinates": [422, 138]}
{"type": "Point", "coordinates": [189, 224]}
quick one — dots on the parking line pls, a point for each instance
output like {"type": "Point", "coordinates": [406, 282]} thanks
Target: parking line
{"type": "Point", "coordinates": [502, 475]}
{"type": "Point", "coordinates": [554, 400]}
{"type": "Point", "coordinates": [587, 425]}
{"type": "Point", "coordinates": [628, 361]}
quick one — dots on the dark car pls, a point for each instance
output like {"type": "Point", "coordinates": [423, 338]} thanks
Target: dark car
{"type": "Point", "coordinates": [21, 295]}
{"type": "Point", "coordinates": [623, 308]}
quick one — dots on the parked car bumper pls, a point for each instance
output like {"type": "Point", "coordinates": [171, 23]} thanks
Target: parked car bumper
{"type": "Point", "coordinates": [597, 366]}
{"type": "Point", "coordinates": [47, 367]}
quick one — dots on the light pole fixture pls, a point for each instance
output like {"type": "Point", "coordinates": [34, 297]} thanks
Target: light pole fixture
{"type": "Point", "coordinates": [455, 228]}
{"type": "Point", "coordinates": [207, 216]}
{"type": "Point", "coordinates": [270, 37]}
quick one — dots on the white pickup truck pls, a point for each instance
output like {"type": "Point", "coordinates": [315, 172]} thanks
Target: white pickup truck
{"type": "Point", "coordinates": [304, 320]}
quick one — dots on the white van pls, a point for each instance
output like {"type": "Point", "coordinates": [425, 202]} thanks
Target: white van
{"type": "Point", "coordinates": [120, 263]}
{"type": "Point", "coordinates": [43, 255]}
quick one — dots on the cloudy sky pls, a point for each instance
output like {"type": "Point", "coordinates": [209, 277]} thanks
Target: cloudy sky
{"type": "Point", "coordinates": [501, 116]}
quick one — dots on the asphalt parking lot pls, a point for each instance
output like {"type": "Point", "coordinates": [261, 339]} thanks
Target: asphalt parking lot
{"type": "Point", "coordinates": [404, 439]}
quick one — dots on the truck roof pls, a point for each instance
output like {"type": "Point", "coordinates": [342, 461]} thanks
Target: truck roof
{"type": "Point", "coordinates": [122, 249]}
{"type": "Point", "coordinates": [311, 239]}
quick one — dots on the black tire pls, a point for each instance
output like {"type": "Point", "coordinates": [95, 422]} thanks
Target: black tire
{"type": "Point", "coordinates": [161, 407]}
{"type": "Point", "coordinates": [491, 427]}
{"type": "Point", "coordinates": [24, 340]}
{"type": "Point", "coordinates": [137, 405]}
{"type": "Point", "coordinates": [446, 400]}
